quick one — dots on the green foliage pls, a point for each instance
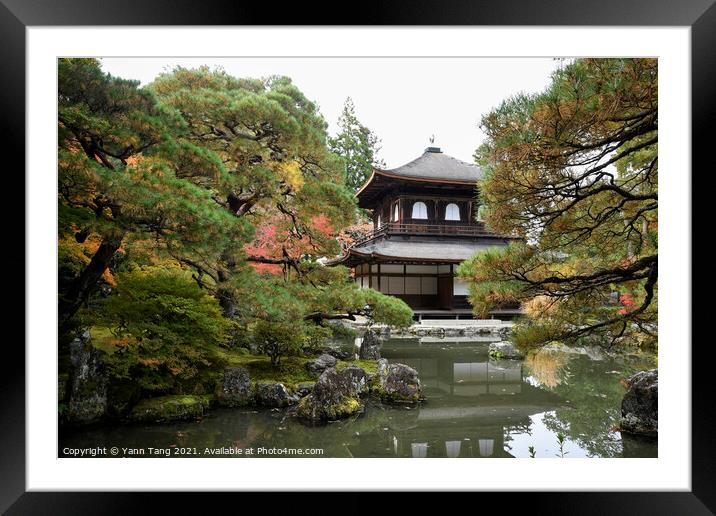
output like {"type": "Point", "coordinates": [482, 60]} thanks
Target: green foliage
{"type": "Point", "coordinates": [277, 339]}
{"type": "Point", "coordinates": [277, 175]}
{"type": "Point", "coordinates": [357, 146]}
{"type": "Point", "coordinates": [168, 330]}
{"type": "Point", "coordinates": [125, 172]}
{"type": "Point", "coordinates": [231, 179]}
{"type": "Point", "coordinates": [574, 172]}
{"type": "Point", "coordinates": [387, 309]}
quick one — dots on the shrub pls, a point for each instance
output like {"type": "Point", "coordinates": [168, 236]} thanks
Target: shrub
{"type": "Point", "coordinates": [167, 328]}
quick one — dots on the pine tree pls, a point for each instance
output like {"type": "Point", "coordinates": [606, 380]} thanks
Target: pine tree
{"type": "Point", "coordinates": [357, 145]}
{"type": "Point", "coordinates": [123, 173]}
{"type": "Point", "coordinates": [574, 171]}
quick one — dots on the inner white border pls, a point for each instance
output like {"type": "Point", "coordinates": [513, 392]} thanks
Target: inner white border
{"type": "Point", "coordinates": [671, 471]}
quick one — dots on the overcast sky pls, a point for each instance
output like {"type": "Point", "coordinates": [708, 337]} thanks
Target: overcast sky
{"type": "Point", "coordinates": [403, 101]}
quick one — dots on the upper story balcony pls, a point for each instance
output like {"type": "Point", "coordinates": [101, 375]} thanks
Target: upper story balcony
{"type": "Point", "coordinates": [417, 228]}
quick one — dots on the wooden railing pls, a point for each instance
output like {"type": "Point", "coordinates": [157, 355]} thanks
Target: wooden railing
{"type": "Point", "coordinates": [400, 228]}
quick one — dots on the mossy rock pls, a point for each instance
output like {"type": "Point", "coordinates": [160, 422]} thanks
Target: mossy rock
{"type": "Point", "coordinates": [396, 383]}
{"type": "Point", "coordinates": [236, 388]}
{"type": "Point", "coordinates": [312, 411]}
{"type": "Point", "coordinates": [369, 366]}
{"type": "Point", "coordinates": [170, 408]}
{"type": "Point", "coordinates": [334, 396]}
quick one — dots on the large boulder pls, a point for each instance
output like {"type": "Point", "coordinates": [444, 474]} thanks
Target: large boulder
{"type": "Point", "coordinates": [274, 395]}
{"type": "Point", "coordinates": [640, 405]}
{"type": "Point", "coordinates": [88, 382]}
{"type": "Point", "coordinates": [320, 364]}
{"type": "Point", "coordinates": [236, 389]}
{"type": "Point", "coordinates": [164, 409]}
{"type": "Point", "coordinates": [358, 378]}
{"type": "Point", "coordinates": [397, 383]}
{"type": "Point", "coordinates": [370, 346]}
{"type": "Point", "coordinates": [504, 350]}
{"type": "Point", "coordinates": [334, 396]}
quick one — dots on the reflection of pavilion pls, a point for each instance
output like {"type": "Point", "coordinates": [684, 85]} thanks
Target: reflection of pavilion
{"type": "Point", "coordinates": [472, 402]}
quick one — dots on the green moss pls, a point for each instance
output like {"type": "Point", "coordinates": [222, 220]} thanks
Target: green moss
{"type": "Point", "coordinates": [347, 406]}
{"type": "Point", "coordinates": [290, 372]}
{"type": "Point", "coordinates": [170, 408]}
{"type": "Point", "coordinates": [369, 366]}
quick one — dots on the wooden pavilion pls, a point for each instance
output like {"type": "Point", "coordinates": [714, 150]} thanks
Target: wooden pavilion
{"type": "Point", "coordinates": [424, 224]}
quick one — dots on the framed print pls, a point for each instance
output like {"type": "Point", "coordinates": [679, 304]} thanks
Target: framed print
{"type": "Point", "coordinates": [294, 257]}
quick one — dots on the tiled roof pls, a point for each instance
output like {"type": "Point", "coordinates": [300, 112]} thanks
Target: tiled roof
{"type": "Point", "coordinates": [433, 164]}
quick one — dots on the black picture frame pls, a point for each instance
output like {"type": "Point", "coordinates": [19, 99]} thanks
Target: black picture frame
{"type": "Point", "coordinates": [17, 15]}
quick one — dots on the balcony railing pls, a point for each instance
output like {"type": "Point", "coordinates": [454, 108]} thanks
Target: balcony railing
{"type": "Point", "coordinates": [401, 228]}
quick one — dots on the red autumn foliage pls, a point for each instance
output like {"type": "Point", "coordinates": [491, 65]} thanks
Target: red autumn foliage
{"type": "Point", "coordinates": [627, 300]}
{"type": "Point", "coordinates": [274, 236]}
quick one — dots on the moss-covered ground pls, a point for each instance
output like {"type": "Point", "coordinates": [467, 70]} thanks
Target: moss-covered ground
{"type": "Point", "coordinates": [291, 370]}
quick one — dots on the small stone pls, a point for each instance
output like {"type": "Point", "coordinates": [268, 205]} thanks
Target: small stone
{"type": "Point", "coordinates": [274, 395]}
{"type": "Point", "coordinates": [320, 364]}
{"type": "Point", "coordinates": [304, 389]}
{"type": "Point", "coordinates": [504, 350]}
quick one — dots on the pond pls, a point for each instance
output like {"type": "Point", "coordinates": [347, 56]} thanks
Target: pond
{"type": "Point", "coordinates": [476, 407]}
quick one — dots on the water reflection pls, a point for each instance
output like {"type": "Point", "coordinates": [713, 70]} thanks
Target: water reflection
{"type": "Point", "coordinates": [476, 407]}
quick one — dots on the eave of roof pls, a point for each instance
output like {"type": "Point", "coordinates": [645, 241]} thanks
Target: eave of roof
{"type": "Point", "coordinates": [445, 252]}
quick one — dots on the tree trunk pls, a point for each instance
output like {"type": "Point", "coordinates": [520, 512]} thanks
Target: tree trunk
{"type": "Point", "coordinates": [82, 286]}
{"type": "Point", "coordinates": [227, 301]}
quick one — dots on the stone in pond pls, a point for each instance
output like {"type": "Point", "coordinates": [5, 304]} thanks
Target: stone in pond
{"type": "Point", "coordinates": [88, 382]}
{"type": "Point", "coordinates": [504, 350]}
{"type": "Point", "coordinates": [274, 395]}
{"type": "Point", "coordinates": [398, 383]}
{"type": "Point", "coordinates": [640, 405]}
{"type": "Point", "coordinates": [235, 389]}
{"type": "Point", "coordinates": [334, 396]}
{"type": "Point", "coordinates": [370, 346]}
{"type": "Point", "coordinates": [164, 409]}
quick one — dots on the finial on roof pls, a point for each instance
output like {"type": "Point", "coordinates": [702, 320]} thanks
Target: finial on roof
{"type": "Point", "coordinates": [432, 147]}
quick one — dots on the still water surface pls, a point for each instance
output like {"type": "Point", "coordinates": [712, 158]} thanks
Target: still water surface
{"type": "Point", "coordinates": [476, 407]}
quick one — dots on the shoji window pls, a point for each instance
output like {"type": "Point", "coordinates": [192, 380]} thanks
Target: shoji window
{"type": "Point", "coordinates": [420, 210]}
{"type": "Point", "coordinates": [452, 212]}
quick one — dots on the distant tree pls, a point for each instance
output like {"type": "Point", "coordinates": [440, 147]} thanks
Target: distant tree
{"type": "Point", "coordinates": [357, 145]}
{"type": "Point", "coordinates": [573, 170]}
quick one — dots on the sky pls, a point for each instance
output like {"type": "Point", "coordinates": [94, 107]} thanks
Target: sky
{"type": "Point", "coordinates": [404, 101]}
